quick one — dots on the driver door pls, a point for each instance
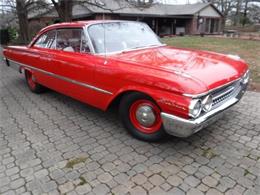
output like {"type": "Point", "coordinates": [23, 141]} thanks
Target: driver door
{"type": "Point", "coordinates": [74, 65]}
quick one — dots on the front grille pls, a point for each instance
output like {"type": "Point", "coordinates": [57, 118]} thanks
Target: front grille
{"type": "Point", "coordinates": [225, 93]}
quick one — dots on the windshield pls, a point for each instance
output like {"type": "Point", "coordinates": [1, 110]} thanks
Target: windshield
{"type": "Point", "coordinates": [121, 36]}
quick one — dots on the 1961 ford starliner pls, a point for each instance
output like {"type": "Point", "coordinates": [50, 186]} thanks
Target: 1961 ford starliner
{"type": "Point", "coordinates": [160, 89]}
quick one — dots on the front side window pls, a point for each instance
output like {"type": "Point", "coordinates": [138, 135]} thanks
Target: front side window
{"type": "Point", "coordinates": [47, 40]}
{"type": "Point", "coordinates": [119, 36]}
{"type": "Point", "coordinates": [72, 40]}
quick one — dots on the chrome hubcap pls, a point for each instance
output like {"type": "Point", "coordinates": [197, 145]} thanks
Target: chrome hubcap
{"type": "Point", "coordinates": [145, 116]}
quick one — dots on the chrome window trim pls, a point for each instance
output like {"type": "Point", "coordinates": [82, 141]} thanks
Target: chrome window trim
{"type": "Point", "coordinates": [56, 33]}
{"type": "Point", "coordinates": [55, 40]}
{"type": "Point", "coordinates": [63, 78]}
{"type": "Point", "coordinates": [92, 49]}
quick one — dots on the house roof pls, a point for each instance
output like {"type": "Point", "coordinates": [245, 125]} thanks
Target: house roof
{"type": "Point", "coordinates": [126, 8]}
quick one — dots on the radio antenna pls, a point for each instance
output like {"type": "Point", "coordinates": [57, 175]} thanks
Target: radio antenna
{"type": "Point", "coordinates": [104, 34]}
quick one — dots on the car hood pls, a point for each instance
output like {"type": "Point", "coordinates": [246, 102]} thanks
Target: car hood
{"type": "Point", "coordinates": [209, 69]}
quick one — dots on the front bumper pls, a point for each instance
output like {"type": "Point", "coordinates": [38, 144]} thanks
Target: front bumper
{"type": "Point", "coordinates": [181, 127]}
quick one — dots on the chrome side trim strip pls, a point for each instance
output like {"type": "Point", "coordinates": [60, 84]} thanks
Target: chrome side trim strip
{"type": "Point", "coordinates": [64, 78]}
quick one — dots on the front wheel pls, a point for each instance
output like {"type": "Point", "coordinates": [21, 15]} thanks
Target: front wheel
{"type": "Point", "coordinates": [32, 84]}
{"type": "Point", "coordinates": [142, 117]}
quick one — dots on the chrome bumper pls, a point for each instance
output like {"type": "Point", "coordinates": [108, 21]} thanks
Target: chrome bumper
{"type": "Point", "coordinates": [181, 127]}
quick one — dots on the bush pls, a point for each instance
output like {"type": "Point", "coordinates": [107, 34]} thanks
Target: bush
{"type": "Point", "coordinates": [13, 34]}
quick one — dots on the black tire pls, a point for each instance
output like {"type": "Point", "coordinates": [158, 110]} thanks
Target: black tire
{"type": "Point", "coordinates": [124, 110]}
{"type": "Point", "coordinates": [35, 87]}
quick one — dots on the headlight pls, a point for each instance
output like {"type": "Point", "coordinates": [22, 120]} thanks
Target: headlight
{"type": "Point", "coordinates": [195, 108]}
{"type": "Point", "coordinates": [207, 103]}
{"type": "Point", "coordinates": [245, 78]}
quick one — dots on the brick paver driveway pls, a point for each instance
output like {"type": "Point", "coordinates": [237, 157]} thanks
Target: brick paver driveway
{"type": "Point", "coordinates": [50, 143]}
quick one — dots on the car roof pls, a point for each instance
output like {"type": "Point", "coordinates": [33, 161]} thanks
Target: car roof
{"type": "Point", "coordinates": [78, 24]}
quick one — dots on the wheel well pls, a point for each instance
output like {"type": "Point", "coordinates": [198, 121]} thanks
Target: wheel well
{"type": "Point", "coordinates": [115, 102]}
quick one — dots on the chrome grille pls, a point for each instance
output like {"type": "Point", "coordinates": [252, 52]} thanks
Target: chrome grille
{"type": "Point", "coordinates": [223, 94]}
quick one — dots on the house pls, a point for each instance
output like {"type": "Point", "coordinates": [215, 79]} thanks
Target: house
{"type": "Point", "coordinates": [163, 19]}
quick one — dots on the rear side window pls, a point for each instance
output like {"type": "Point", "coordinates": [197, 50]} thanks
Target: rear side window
{"type": "Point", "coordinates": [47, 40]}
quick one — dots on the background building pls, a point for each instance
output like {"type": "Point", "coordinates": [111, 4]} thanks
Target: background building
{"type": "Point", "coordinates": [163, 19]}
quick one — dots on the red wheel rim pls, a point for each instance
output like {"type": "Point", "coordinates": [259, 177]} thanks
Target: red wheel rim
{"type": "Point", "coordinates": [148, 129]}
{"type": "Point", "coordinates": [30, 81]}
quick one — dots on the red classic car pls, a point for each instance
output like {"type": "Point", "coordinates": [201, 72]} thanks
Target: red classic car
{"type": "Point", "coordinates": [159, 89]}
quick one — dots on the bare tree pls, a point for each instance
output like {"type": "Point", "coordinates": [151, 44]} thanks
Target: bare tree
{"type": "Point", "coordinates": [7, 13]}
{"type": "Point", "coordinates": [237, 17]}
{"type": "Point", "coordinates": [225, 6]}
{"type": "Point", "coordinates": [239, 8]}
{"type": "Point", "coordinates": [22, 13]}
{"type": "Point", "coordinates": [21, 8]}
{"type": "Point", "coordinates": [249, 5]}
{"type": "Point", "coordinates": [64, 9]}
{"type": "Point", "coordinates": [254, 13]}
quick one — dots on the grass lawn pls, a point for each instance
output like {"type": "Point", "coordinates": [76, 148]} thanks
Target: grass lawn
{"type": "Point", "coordinates": [246, 49]}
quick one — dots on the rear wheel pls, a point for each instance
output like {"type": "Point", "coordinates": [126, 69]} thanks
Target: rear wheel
{"type": "Point", "coordinates": [32, 84]}
{"type": "Point", "coordinates": [142, 117]}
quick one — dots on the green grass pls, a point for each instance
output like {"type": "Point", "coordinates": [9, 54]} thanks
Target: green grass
{"type": "Point", "coordinates": [208, 153]}
{"type": "Point", "coordinates": [246, 172]}
{"type": "Point", "coordinates": [82, 181]}
{"type": "Point", "coordinates": [247, 49]}
{"type": "Point", "coordinates": [73, 162]}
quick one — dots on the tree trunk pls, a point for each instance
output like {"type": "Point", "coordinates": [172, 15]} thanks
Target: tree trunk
{"type": "Point", "coordinates": [23, 20]}
{"type": "Point", "coordinates": [64, 9]}
{"type": "Point", "coordinates": [245, 13]}
{"type": "Point", "coordinates": [238, 14]}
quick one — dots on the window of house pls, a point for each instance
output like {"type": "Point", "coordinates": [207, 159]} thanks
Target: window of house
{"type": "Point", "coordinates": [216, 27]}
{"type": "Point", "coordinates": [47, 40]}
{"type": "Point", "coordinates": [207, 26]}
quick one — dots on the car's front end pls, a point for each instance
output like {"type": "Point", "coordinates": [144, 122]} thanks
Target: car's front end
{"type": "Point", "coordinates": [205, 109]}
{"type": "Point", "coordinates": [168, 89]}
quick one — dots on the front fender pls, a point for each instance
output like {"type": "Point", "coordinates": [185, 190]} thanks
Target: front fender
{"type": "Point", "coordinates": [168, 102]}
